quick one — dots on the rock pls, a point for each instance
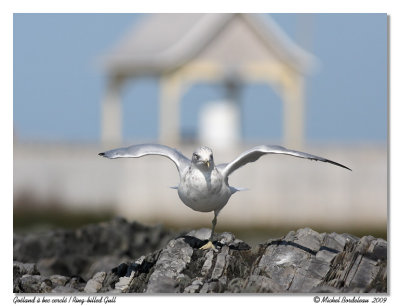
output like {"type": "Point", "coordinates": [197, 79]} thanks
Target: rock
{"type": "Point", "coordinates": [167, 270]}
{"type": "Point", "coordinates": [260, 284]}
{"type": "Point", "coordinates": [127, 274]}
{"type": "Point", "coordinates": [32, 283]}
{"type": "Point", "coordinates": [64, 289]}
{"type": "Point", "coordinates": [76, 283]}
{"type": "Point", "coordinates": [59, 280]}
{"type": "Point", "coordinates": [104, 263]}
{"type": "Point", "coordinates": [96, 283]}
{"type": "Point", "coordinates": [361, 265]}
{"type": "Point", "coordinates": [27, 279]}
{"type": "Point", "coordinates": [220, 262]}
{"type": "Point", "coordinates": [123, 283]}
{"type": "Point", "coordinates": [20, 268]}
{"type": "Point", "coordinates": [305, 261]}
{"type": "Point", "coordinates": [302, 261]}
{"type": "Point", "coordinates": [81, 252]}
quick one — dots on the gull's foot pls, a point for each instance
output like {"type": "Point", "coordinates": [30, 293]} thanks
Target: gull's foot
{"type": "Point", "coordinates": [208, 245]}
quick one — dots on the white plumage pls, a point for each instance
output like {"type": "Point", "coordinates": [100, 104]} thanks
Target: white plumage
{"type": "Point", "coordinates": [203, 185]}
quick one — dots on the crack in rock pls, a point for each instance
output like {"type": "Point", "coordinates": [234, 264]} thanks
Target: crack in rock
{"type": "Point", "coordinates": [301, 261]}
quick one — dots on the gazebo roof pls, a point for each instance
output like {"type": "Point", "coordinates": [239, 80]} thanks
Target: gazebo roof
{"type": "Point", "coordinates": [163, 42]}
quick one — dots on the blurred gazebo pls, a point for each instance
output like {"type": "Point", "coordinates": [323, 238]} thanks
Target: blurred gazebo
{"type": "Point", "coordinates": [183, 49]}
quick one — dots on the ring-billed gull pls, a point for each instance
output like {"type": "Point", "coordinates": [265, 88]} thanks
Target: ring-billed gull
{"type": "Point", "coordinates": [203, 185]}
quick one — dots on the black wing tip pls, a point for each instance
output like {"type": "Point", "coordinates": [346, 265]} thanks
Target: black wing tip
{"type": "Point", "coordinates": [102, 154]}
{"type": "Point", "coordinates": [340, 165]}
{"type": "Point", "coordinates": [345, 167]}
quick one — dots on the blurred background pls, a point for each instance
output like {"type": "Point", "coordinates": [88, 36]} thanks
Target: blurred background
{"type": "Point", "coordinates": [86, 83]}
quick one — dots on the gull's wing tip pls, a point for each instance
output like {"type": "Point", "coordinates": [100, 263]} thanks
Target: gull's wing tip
{"type": "Point", "coordinates": [346, 167]}
{"type": "Point", "coordinates": [343, 166]}
{"type": "Point", "coordinates": [101, 154]}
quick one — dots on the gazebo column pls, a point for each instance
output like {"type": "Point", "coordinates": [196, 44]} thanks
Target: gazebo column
{"type": "Point", "coordinates": [111, 113]}
{"type": "Point", "coordinates": [170, 95]}
{"type": "Point", "coordinates": [293, 118]}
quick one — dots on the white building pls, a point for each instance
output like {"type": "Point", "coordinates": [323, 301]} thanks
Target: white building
{"type": "Point", "coordinates": [184, 49]}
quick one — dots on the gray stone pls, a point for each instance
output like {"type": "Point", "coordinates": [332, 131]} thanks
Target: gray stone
{"type": "Point", "coordinates": [96, 283]}
{"type": "Point", "coordinates": [59, 280]}
{"type": "Point", "coordinates": [171, 262]}
{"type": "Point", "coordinates": [208, 262]}
{"type": "Point", "coordinates": [202, 233]}
{"type": "Point", "coordinates": [76, 283]}
{"type": "Point", "coordinates": [194, 286]}
{"type": "Point", "coordinates": [123, 283]}
{"type": "Point", "coordinates": [220, 263]}
{"type": "Point", "coordinates": [64, 289]}
{"type": "Point", "coordinates": [34, 284]}
{"type": "Point", "coordinates": [24, 268]}
{"type": "Point", "coordinates": [80, 252]}
{"type": "Point", "coordinates": [104, 263]}
{"type": "Point", "coordinates": [20, 269]}
{"type": "Point", "coordinates": [302, 261]}
{"type": "Point", "coordinates": [260, 284]}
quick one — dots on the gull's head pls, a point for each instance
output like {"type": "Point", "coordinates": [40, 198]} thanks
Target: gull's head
{"type": "Point", "coordinates": [203, 158]}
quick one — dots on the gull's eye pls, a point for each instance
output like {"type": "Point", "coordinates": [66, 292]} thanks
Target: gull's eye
{"type": "Point", "coordinates": [211, 157]}
{"type": "Point", "coordinates": [195, 156]}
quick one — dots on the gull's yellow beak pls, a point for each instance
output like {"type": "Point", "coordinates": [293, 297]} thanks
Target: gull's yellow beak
{"type": "Point", "coordinates": [207, 163]}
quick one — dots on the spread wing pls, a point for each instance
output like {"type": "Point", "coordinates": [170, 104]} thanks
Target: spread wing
{"type": "Point", "coordinates": [140, 150]}
{"type": "Point", "coordinates": [255, 153]}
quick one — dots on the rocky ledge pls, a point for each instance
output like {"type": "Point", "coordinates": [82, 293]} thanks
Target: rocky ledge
{"type": "Point", "coordinates": [123, 257]}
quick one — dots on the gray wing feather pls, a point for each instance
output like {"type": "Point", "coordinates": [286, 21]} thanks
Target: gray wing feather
{"type": "Point", "coordinates": [255, 153]}
{"type": "Point", "coordinates": [221, 167]}
{"type": "Point", "coordinates": [140, 150]}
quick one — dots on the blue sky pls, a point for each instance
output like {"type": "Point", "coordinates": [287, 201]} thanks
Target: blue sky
{"type": "Point", "coordinates": [58, 86]}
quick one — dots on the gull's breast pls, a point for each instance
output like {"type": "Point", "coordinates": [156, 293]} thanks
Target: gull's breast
{"type": "Point", "coordinates": [203, 192]}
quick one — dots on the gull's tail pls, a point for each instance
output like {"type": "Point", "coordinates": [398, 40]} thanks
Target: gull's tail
{"type": "Point", "coordinates": [236, 189]}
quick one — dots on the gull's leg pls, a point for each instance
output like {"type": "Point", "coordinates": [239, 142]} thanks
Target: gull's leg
{"type": "Point", "coordinates": [209, 244]}
{"type": "Point", "coordinates": [214, 223]}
